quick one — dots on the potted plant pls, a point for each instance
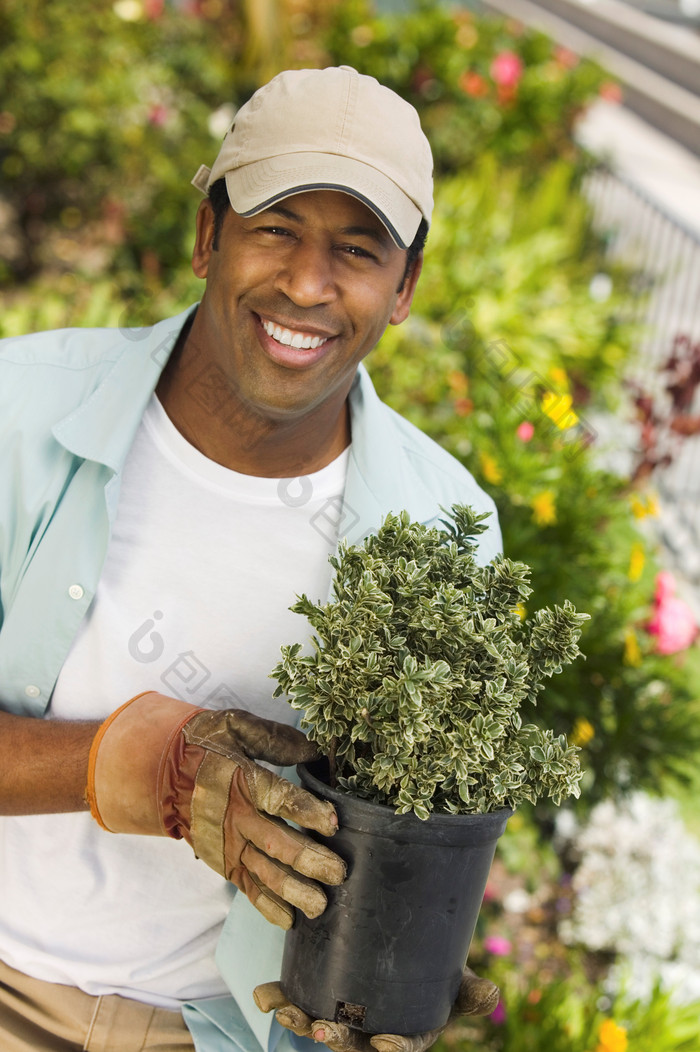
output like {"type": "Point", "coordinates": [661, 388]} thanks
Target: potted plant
{"type": "Point", "coordinates": [420, 668]}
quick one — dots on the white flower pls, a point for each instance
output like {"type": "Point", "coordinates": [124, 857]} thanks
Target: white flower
{"type": "Point", "coordinates": [128, 10]}
{"type": "Point", "coordinates": [637, 894]}
{"type": "Point", "coordinates": [517, 901]}
{"type": "Point", "coordinates": [600, 287]}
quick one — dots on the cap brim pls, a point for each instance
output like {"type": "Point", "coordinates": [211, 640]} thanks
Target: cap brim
{"type": "Point", "coordinates": [258, 185]}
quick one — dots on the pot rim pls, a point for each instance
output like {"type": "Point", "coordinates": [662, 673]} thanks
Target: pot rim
{"type": "Point", "coordinates": [362, 815]}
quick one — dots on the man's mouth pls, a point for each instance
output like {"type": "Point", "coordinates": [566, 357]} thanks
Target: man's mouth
{"type": "Point", "coordinates": [293, 337]}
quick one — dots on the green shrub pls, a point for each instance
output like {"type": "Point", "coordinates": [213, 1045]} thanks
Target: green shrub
{"type": "Point", "coordinates": [423, 672]}
{"type": "Point", "coordinates": [504, 357]}
{"type": "Point", "coordinates": [442, 60]}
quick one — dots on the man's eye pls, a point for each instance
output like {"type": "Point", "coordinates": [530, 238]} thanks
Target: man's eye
{"type": "Point", "coordinates": [358, 252]}
{"type": "Point", "coordinates": [278, 231]}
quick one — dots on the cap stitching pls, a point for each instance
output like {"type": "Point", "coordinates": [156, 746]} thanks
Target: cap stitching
{"type": "Point", "coordinates": [349, 104]}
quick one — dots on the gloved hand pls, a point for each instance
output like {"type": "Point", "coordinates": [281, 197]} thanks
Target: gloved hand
{"type": "Point", "coordinates": [161, 767]}
{"type": "Point", "coordinates": [476, 996]}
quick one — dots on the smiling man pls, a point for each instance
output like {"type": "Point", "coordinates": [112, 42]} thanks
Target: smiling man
{"type": "Point", "coordinates": [165, 493]}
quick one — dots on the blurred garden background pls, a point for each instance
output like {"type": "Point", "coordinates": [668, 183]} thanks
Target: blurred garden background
{"type": "Point", "coordinates": [524, 338]}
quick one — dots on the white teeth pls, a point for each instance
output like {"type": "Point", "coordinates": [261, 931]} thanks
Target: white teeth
{"type": "Point", "coordinates": [292, 339]}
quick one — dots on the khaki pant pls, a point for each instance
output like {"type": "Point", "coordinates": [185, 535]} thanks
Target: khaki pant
{"type": "Point", "coordinates": [47, 1017]}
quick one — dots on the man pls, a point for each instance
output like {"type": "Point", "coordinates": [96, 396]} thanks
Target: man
{"type": "Point", "coordinates": [164, 495]}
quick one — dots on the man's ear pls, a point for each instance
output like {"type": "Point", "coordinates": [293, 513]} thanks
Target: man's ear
{"type": "Point", "coordinates": [405, 295]}
{"type": "Point", "coordinates": [204, 240]}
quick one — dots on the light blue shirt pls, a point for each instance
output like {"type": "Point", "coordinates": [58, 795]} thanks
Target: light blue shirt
{"type": "Point", "coordinates": [72, 402]}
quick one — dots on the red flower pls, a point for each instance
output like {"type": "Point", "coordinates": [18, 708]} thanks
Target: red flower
{"type": "Point", "coordinates": [463, 406]}
{"type": "Point", "coordinates": [507, 69]}
{"type": "Point", "coordinates": [473, 84]}
{"type": "Point", "coordinates": [153, 8]}
{"type": "Point", "coordinates": [506, 94]}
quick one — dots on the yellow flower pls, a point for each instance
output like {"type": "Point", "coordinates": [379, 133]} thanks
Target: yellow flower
{"type": "Point", "coordinates": [558, 408]}
{"type": "Point", "coordinates": [644, 505]}
{"type": "Point", "coordinates": [637, 560]}
{"type": "Point", "coordinates": [583, 731]}
{"type": "Point", "coordinates": [521, 611]}
{"type": "Point", "coordinates": [543, 509]}
{"type": "Point", "coordinates": [611, 1037]}
{"type": "Point", "coordinates": [491, 470]}
{"type": "Point", "coordinates": [559, 376]}
{"type": "Point", "coordinates": [632, 655]}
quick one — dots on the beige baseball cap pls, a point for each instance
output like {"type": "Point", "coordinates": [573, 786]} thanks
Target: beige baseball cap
{"type": "Point", "coordinates": [328, 129]}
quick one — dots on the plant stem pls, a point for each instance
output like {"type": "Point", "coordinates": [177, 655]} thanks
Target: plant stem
{"type": "Point", "coordinates": [331, 762]}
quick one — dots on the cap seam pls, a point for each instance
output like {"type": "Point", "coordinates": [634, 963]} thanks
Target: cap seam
{"type": "Point", "coordinates": [350, 101]}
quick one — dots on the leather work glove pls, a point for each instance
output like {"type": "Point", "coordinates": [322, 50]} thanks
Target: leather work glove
{"type": "Point", "coordinates": [161, 767]}
{"type": "Point", "coordinates": [476, 996]}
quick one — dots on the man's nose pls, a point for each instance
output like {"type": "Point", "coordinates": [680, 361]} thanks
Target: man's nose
{"type": "Point", "coordinates": [307, 276]}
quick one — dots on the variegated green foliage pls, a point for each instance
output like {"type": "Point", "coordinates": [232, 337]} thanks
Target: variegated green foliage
{"type": "Point", "coordinates": [421, 667]}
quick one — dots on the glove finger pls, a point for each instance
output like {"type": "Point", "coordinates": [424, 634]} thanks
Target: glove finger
{"type": "Point", "coordinates": [278, 840]}
{"type": "Point", "coordinates": [295, 1019]}
{"type": "Point", "coordinates": [269, 996]}
{"type": "Point", "coordinates": [277, 796]}
{"type": "Point", "coordinates": [232, 731]}
{"type": "Point", "coordinates": [275, 743]}
{"type": "Point", "coordinates": [282, 880]}
{"type": "Point", "coordinates": [476, 995]}
{"type": "Point", "coordinates": [340, 1038]}
{"type": "Point", "coordinates": [273, 908]}
{"type": "Point", "coordinates": [399, 1043]}
{"type": "Point", "coordinates": [302, 854]}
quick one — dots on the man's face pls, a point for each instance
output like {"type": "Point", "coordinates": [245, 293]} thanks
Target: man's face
{"type": "Point", "coordinates": [296, 297]}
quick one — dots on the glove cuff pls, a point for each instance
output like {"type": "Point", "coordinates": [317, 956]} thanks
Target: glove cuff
{"type": "Point", "coordinates": [125, 760]}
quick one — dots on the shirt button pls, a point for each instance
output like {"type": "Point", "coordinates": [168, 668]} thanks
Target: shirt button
{"type": "Point", "coordinates": [76, 591]}
{"type": "Point", "coordinates": [31, 691]}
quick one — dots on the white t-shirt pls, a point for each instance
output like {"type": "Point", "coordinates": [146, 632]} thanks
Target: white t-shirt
{"type": "Point", "coordinates": [193, 602]}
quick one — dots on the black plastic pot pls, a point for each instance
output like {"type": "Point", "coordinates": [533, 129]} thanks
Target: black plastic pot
{"type": "Point", "coordinates": [387, 954]}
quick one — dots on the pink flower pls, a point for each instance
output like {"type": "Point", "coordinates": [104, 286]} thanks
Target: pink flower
{"type": "Point", "coordinates": [498, 1016]}
{"type": "Point", "coordinates": [565, 58]}
{"type": "Point", "coordinates": [610, 91]}
{"type": "Point", "coordinates": [490, 893]}
{"type": "Point", "coordinates": [525, 431]}
{"type": "Point", "coordinates": [507, 69]}
{"type": "Point", "coordinates": [158, 114]}
{"type": "Point", "coordinates": [673, 622]}
{"type": "Point", "coordinates": [498, 945]}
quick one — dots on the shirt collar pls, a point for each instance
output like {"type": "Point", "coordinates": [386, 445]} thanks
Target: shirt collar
{"type": "Point", "coordinates": [103, 427]}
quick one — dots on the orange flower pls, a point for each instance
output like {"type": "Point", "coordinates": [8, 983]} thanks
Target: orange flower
{"type": "Point", "coordinates": [473, 84]}
{"type": "Point", "coordinates": [459, 382]}
{"type": "Point", "coordinates": [610, 91]}
{"type": "Point", "coordinates": [611, 1037]}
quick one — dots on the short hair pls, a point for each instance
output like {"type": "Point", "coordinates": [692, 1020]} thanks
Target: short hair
{"type": "Point", "coordinates": [218, 199]}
